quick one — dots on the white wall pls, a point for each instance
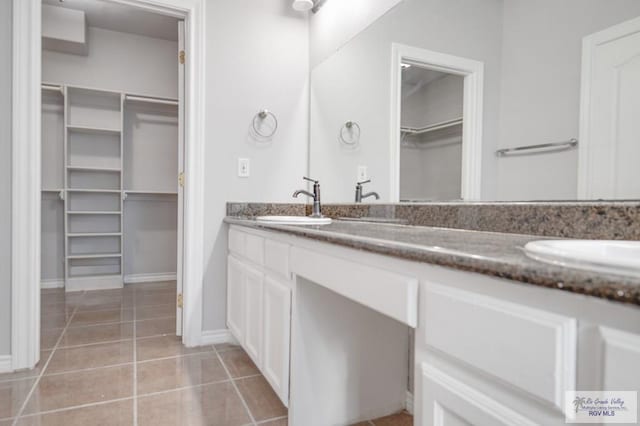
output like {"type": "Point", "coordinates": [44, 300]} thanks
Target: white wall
{"type": "Point", "coordinates": [257, 57]}
{"type": "Point", "coordinates": [354, 84]}
{"type": "Point", "coordinates": [120, 62]}
{"type": "Point", "coordinates": [5, 176]}
{"type": "Point", "coordinates": [540, 100]}
{"type": "Point", "coordinates": [338, 21]}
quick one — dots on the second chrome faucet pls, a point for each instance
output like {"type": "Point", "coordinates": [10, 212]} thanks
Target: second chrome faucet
{"type": "Point", "coordinates": [360, 196]}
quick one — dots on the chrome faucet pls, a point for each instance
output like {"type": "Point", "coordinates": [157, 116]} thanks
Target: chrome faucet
{"type": "Point", "coordinates": [317, 208]}
{"type": "Point", "coordinates": [360, 196]}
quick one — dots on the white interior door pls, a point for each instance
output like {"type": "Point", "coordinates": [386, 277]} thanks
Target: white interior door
{"type": "Point", "coordinates": [610, 108]}
{"type": "Point", "coordinates": [181, 65]}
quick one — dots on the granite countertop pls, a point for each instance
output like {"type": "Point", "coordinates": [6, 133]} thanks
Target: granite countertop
{"type": "Point", "coordinates": [490, 253]}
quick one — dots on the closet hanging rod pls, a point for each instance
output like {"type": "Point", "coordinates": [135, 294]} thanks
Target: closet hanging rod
{"type": "Point", "coordinates": [151, 100]}
{"type": "Point", "coordinates": [53, 87]}
{"type": "Point", "coordinates": [431, 128]}
{"type": "Point", "coordinates": [547, 147]}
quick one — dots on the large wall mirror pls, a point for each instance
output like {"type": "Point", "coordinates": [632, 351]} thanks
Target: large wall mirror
{"type": "Point", "coordinates": [477, 100]}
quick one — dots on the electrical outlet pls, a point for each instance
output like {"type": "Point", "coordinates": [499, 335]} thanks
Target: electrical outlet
{"type": "Point", "coordinates": [362, 173]}
{"type": "Point", "coordinates": [243, 167]}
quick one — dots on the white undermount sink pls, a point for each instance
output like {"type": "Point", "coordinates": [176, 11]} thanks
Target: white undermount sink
{"type": "Point", "coordinates": [294, 220]}
{"type": "Point", "coordinates": [617, 257]}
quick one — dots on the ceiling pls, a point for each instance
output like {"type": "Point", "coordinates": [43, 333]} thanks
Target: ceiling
{"type": "Point", "coordinates": [118, 17]}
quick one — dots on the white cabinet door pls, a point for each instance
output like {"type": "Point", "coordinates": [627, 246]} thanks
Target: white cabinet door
{"type": "Point", "coordinates": [277, 329]}
{"type": "Point", "coordinates": [446, 401]}
{"type": "Point", "coordinates": [253, 314]}
{"type": "Point", "coordinates": [235, 298]}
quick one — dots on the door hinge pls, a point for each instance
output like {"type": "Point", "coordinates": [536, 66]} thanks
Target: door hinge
{"type": "Point", "coordinates": [181, 179]}
{"type": "Point", "coordinates": [181, 56]}
{"type": "Point", "coordinates": [179, 301]}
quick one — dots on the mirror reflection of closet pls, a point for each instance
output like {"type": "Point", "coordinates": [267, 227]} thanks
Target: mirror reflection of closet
{"type": "Point", "coordinates": [431, 134]}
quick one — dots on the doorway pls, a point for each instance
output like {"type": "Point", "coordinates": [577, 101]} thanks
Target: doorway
{"type": "Point", "coordinates": [26, 216]}
{"type": "Point", "coordinates": [421, 126]}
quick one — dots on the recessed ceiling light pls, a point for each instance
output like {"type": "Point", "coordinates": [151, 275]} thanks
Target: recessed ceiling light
{"type": "Point", "coordinates": [405, 66]}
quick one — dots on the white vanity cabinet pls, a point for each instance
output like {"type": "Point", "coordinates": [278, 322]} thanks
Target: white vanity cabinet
{"type": "Point", "coordinates": [487, 351]}
{"type": "Point", "coordinates": [259, 304]}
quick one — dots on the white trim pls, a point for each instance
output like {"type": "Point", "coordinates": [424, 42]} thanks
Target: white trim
{"type": "Point", "coordinates": [215, 337]}
{"type": "Point", "coordinates": [473, 72]}
{"type": "Point", "coordinates": [54, 283]}
{"type": "Point", "coordinates": [25, 187]}
{"type": "Point", "coordinates": [149, 278]}
{"type": "Point", "coordinates": [26, 151]}
{"type": "Point", "coordinates": [6, 364]}
{"type": "Point", "coordinates": [409, 402]}
{"type": "Point", "coordinates": [589, 43]}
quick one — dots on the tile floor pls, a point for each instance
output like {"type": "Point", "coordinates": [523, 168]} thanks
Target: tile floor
{"type": "Point", "coordinates": [112, 358]}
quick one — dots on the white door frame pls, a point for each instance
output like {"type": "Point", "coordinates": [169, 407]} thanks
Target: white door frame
{"type": "Point", "coordinates": [26, 184]}
{"type": "Point", "coordinates": [473, 72]}
{"type": "Point", "coordinates": [589, 44]}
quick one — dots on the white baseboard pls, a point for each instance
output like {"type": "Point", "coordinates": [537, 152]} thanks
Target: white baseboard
{"type": "Point", "coordinates": [409, 403]}
{"type": "Point", "coordinates": [149, 278]}
{"type": "Point", "coordinates": [94, 283]}
{"type": "Point", "coordinates": [214, 337]}
{"type": "Point", "coordinates": [51, 284]}
{"type": "Point", "coordinates": [5, 364]}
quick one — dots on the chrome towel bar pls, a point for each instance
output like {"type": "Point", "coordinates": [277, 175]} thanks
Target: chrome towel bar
{"type": "Point", "coordinates": [546, 147]}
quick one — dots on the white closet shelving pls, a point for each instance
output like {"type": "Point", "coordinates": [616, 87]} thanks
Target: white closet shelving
{"type": "Point", "coordinates": [100, 148]}
{"type": "Point", "coordinates": [93, 183]}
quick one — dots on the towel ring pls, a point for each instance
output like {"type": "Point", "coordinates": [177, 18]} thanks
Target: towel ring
{"type": "Point", "coordinates": [350, 133]}
{"type": "Point", "coordinates": [260, 119]}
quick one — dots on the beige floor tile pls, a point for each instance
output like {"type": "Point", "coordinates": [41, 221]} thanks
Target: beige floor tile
{"type": "Point", "coordinates": [277, 422]}
{"type": "Point", "coordinates": [155, 298]}
{"type": "Point", "coordinates": [212, 405]}
{"type": "Point", "coordinates": [160, 285]}
{"type": "Point", "coordinates": [117, 413]}
{"type": "Point", "coordinates": [262, 401]}
{"type": "Point", "coordinates": [97, 334]}
{"type": "Point", "coordinates": [54, 320]}
{"type": "Point", "coordinates": [398, 419]}
{"type": "Point", "coordinates": [164, 346]}
{"type": "Point", "coordinates": [238, 363]}
{"type": "Point", "coordinates": [223, 347]}
{"type": "Point", "coordinates": [106, 300]}
{"type": "Point", "coordinates": [8, 422]}
{"type": "Point", "coordinates": [13, 395]}
{"type": "Point", "coordinates": [58, 308]}
{"type": "Point", "coordinates": [25, 374]}
{"type": "Point", "coordinates": [49, 337]}
{"type": "Point", "coordinates": [155, 376]}
{"type": "Point", "coordinates": [101, 317]}
{"type": "Point", "coordinates": [100, 355]}
{"type": "Point", "coordinates": [156, 327]}
{"type": "Point", "coordinates": [85, 387]}
{"type": "Point", "coordinates": [156, 311]}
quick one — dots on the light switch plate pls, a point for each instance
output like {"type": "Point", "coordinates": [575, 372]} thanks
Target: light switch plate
{"type": "Point", "coordinates": [362, 173]}
{"type": "Point", "coordinates": [243, 167]}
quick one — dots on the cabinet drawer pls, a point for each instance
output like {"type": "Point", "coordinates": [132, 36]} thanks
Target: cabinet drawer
{"type": "Point", "coordinates": [276, 257]}
{"type": "Point", "coordinates": [384, 291]}
{"type": "Point", "coordinates": [528, 348]}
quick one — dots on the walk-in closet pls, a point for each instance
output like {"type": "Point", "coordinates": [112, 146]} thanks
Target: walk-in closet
{"type": "Point", "coordinates": [111, 145]}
